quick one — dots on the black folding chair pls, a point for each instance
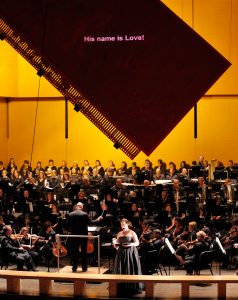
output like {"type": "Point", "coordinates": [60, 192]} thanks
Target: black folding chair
{"type": "Point", "coordinates": [149, 264]}
{"type": "Point", "coordinates": [205, 261]}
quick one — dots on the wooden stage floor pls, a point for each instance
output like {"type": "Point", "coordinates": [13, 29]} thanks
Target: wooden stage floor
{"type": "Point", "coordinates": [64, 290]}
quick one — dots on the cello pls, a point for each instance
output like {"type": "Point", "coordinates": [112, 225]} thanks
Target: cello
{"type": "Point", "coordinates": [58, 249]}
{"type": "Point", "coordinates": [90, 246]}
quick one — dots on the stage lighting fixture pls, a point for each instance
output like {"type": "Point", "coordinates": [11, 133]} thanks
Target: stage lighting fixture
{"type": "Point", "coordinates": [40, 72]}
{"type": "Point", "coordinates": [116, 145]}
{"type": "Point", "coordinates": [77, 107]}
{"type": "Point", "coordinates": [2, 36]}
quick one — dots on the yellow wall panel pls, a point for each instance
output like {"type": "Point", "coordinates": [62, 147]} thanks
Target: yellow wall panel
{"type": "Point", "coordinates": [29, 82]}
{"type": "Point", "coordinates": [3, 131]}
{"type": "Point", "coordinates": [8, 70]}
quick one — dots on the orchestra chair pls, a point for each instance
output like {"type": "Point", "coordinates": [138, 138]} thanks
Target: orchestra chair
{"type": "Point", "coordinates": [4, 262]}
{"type": "Point", "coordinates": [151, 263]}
{"type": "Point", "coordinates": [161, 264]}
{"type": "Point", "coordinates": [205, 261]}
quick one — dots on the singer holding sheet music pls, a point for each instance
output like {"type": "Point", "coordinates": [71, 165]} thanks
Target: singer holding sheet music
{"type": "Point", "coordinates": [127, 259]}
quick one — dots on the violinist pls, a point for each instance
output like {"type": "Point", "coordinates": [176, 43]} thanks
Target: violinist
{"type": "Point", "coordinates": [231, 237]}
{"type": "Point", "coordinates": [191, 261]}
{"type": "Point", "coordinates": [175, 230]}
{"type": "Point", "coordinates": [186, 240]}
{"type": "Point", "coordinates": [228, 242]}
{"type": "Point", "coordinates": [188, 235]}
{"type": "Point", "coordinates": [14, 252]}
{"type": "Point", "coordinates": [44, 242]}
{"type": "Point", "coordinates": [27, 242]}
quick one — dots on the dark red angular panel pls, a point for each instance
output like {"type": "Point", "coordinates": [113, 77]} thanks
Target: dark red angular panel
{"type": "Point", "coordinates": [144, 86]}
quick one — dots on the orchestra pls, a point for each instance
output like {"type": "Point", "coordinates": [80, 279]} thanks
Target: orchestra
{"type": "Point", "coordinates": [175, 204]}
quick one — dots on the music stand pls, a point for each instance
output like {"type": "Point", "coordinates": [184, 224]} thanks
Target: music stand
{"type": "Point", "coordinates": [169, 245]}
{"type": "Point", "coordinates": [171, 249]}
{"type": "Point", "coordinates": [195, 172]}
{"type": "Point", "coordinates": [220, 175]}
{"type": "Point", "coordinates": [234, 174]}
{"type": "Point", "coordinates": [221, 249]}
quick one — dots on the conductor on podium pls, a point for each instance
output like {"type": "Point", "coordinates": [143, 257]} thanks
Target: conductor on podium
{"type": "Point", "coordinates": [78, 225]}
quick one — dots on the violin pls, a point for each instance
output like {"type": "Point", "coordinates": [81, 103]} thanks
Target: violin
{"type": "Point", "coordinates": [16, 236]}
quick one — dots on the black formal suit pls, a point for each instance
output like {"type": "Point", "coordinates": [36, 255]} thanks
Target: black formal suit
{"type": "Point", "coordinates": [78, 221]}
{"type": "Point", "coordinates": [12, 253]}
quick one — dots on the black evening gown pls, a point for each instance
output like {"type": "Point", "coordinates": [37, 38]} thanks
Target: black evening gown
{"type": "Point", "coordinates": [127, 261]}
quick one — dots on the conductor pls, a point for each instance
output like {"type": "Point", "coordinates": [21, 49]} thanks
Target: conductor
{"type": "Point", "coordinates": [78, 225]}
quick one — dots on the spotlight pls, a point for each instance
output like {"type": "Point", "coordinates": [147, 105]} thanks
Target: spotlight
{"type": "Point", "coordinates": [40, 72]}
{"type": "Point", "coordinates": [77, 107]}
{"type": "Point", "coordinates": [116, 145]}
{"type": "Point", "coordinates": [2, 36]}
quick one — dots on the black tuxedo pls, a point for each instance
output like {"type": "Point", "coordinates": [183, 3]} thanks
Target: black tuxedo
{"type": "Point", "coordinates": [12, 253]}
{"type": "Point", "coordinates": [78, 225]}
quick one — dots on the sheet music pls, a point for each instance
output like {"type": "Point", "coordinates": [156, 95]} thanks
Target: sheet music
{"type": "Point", "coordinates": [168, 244]}
{"type": "Point", "coordinates": [220, 246]}
{"type": "Point", "coordinates": [163, 181]}
{"type": "Point", "coordinates": [94, 228]}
